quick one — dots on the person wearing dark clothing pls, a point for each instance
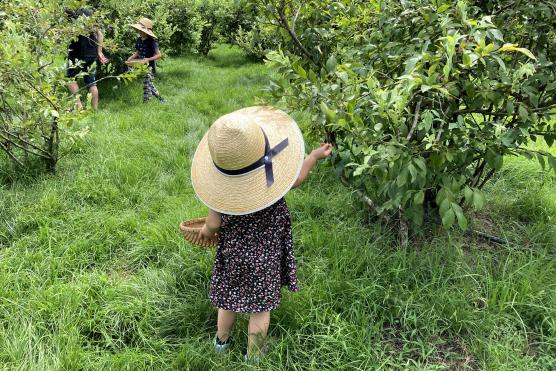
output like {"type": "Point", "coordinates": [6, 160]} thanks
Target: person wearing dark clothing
{"type": "Point", "coordinates": [82, 56]}
{"type": "Point", "coordinates": [147, 51]}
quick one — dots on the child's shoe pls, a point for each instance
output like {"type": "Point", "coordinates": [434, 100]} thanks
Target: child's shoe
{"type": "Point", "coordinates": [162, 100]}
{"type": "Point", "coordinates": [254, 360]}
{"type": "Point", "coordinates": [221, 346]}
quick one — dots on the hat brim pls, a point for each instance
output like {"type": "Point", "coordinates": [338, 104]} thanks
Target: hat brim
{"type": "Point", "coordinates": [138, 27]}
{"type": "Point", "coordinates": [248, 193]}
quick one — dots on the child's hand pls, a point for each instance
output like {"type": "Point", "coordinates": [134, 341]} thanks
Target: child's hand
{"type": "Point", "coordinates": [206, 233]}
{"type": "Point", "coordinates": [322, 152]}
{"type": "Point", "coordinates": [135, 62]}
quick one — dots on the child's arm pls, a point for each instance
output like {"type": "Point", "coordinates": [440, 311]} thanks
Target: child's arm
{"type": "Point", "coordinates": [133, 56]}
{"type": "Point", "coordinates": [157, 55]}
{"type": "Point", "coordinates": [212, 225]}
{"type": "Point", "coordinates": [317, 154]}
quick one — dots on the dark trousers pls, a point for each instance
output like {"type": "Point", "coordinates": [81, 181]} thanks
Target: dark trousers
{"type": "Point", "coordinates": [149, 90]}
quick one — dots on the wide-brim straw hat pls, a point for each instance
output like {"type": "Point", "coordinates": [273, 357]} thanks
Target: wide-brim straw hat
{"type": "Point", "coordinates": [144, 25]}
{"type": "Point", "coordinates": [236, 171]}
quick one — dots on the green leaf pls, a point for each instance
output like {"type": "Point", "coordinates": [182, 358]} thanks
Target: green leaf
{"type": "Point", "coordinates": [494, 160]}
{"type": "Point", "coordinates": [549, 139]}
{"type": "Point", "coordinates": [443, 8]}
{"type": "Point", "coordinates": [299, 70]}
{"type": "Point", "coordinates": [359, 170]}
{"type": "Point", "coordinates": [514, 48]}
{"type": "Point", "coordinates": [462, 220]}
{"type": "Point", "coordinates": [468, 192]}
{"type": "Point", "coordinates": [444, 206]}
{"type": "Point", "coordinates": [541, 160]}
{"type": "Point", "coordinates": [510, 109]}
{"type": "Point", "coordinates": [331, 64]}
{"type": "Point", "coordinates": [552, 162]}
{"type": "Point", "coordinates": [330, 114]}
{"type": "Point", "coordinates": [478, 199]}
{"type": "Point", "coordinates": [419, 197]}
{"type": "Point", "coordinates": [411, 63]}
{"type": "Point", "coordinates": [312, 76]}
{"type": "Point", "coordinates": [413, 171]}
{"type": "Point", "coordinates": [448, 218]}
{"type": "Point", "coordinates": [496, 34]}
{"type": "Point", "coordinates": [421, 164]}
{"type": "Point", "coordinates": [523, 113]}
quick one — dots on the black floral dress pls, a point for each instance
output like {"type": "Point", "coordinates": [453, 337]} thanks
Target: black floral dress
{"type": "Point", "coordinates": [254, 259]}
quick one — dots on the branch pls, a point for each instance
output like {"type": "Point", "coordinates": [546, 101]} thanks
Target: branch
{"type": "Point", "coordinates": [415, 118]}
{"type": "Point", "coordinates": [365, 199]}
{"type": "Point", "coordinates": [101, 79]}
{"type": "Point", "coordinates": [489, 237]}
{"type": "Point", "coordinates": [285, 24]}
{"type": "Point", "coordinates": [44, 154]}
{"type": "Point", "coordinates": [11, 155]}
{"type": "Point", "coordinates": [487, 178]}
{"type": "Point", "coordinates": [23, 141]}
{"type": "Point", "coordinates": [500, 114]}
{"type": "Point", "coordinates": [404, 230]}
{"type": "Point", "coordinates": [42, 94]}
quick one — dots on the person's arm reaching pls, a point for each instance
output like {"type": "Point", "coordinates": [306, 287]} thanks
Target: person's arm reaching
{"type": "Point", "coordinates": [157, 55]}
{"type": "Point", "coordinates": [131, 58]}
{"type": "Point", "coordinates": [317, 154]}
{"type": "Point", "coordinates": [100, 39]}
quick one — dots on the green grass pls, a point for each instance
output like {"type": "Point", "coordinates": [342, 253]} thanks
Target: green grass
{"type": "Point", "coordinates": [94, 274]}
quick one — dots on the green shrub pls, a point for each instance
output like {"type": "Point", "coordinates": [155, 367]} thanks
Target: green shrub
{"type": "Point", "coordinates": [424, 98]}
{"type": "Point", "coordinates": [34, 100]}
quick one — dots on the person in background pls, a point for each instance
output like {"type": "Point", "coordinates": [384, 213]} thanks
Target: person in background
{"type": "Point", "coordinates": [147, 51]}
{"type": "Point", "coordinates": [83, 54]}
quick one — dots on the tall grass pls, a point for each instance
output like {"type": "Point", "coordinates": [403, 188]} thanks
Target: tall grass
{"type": "Point", "coordinates": [94, 275]}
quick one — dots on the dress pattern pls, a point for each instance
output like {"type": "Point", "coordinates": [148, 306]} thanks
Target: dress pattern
{"type": "Point", "coordinates": [254, 259]}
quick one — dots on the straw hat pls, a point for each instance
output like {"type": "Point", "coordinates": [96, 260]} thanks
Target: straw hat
{"type": "Point", "coordinates": [247, 160]}
{"type": "Point", "coordinates": [144, 25]}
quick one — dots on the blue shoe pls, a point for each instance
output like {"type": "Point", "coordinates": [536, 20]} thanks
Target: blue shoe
{"type": "Point", "coordinates": [220, 347]}
{"type": "Point", "coordinates": [254, 360]}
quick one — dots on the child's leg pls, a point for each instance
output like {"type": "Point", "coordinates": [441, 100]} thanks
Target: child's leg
{"type": "Point", "coordinates": [154, 91]}
{"type": "Point", "coordinates": [258, 328]}
{"type": "Point", "coordinates": [225, 323]}
{"type": "Point", "coordinates": [147, 90]}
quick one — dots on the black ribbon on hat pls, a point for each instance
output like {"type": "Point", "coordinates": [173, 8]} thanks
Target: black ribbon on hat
{"type": "Point", "coordinates": [265, 160]}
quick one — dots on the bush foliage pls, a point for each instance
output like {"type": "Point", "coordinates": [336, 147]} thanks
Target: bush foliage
{"type": "Point", "coordinates": [423, 98]}
{"type": "Point", "coordinates": [34, 100]}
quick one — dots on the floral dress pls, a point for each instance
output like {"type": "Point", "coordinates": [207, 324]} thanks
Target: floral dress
{"type": "Point", "coordinates": [254, 259]}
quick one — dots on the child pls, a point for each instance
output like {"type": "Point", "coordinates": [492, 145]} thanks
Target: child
{"type": "Point", "coordinates": [242, 169]}
{"type": "Point", "coordinates": [147, 52]}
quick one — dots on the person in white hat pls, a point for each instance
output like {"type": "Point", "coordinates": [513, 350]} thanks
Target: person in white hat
{"type": "Point", "coordinates": [242, 169]}
{"type": "Point", "coordinates": [147, 52]}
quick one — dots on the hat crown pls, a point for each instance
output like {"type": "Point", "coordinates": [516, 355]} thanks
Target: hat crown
{"type": "Point", "coordinates": [235, 141]}
{"type": "Point", "coordinates": [147, 23]}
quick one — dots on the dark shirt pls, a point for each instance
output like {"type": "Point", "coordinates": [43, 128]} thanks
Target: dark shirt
{"type": "Point", "coordinates": [146, 49]}
{"type": "Point", "coordinates": [84, 48]}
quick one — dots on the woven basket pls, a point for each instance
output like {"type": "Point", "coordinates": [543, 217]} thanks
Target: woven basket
{"type": "Point", "coordinates": [190, 230]}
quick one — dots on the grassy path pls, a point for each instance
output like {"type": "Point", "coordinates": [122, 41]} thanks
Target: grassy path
{"type": "Point", "coordinates": [94, 275]}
